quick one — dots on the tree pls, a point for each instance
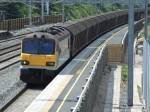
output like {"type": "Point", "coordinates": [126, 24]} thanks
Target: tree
{"type": "Point", "coordinates": [17, 10]}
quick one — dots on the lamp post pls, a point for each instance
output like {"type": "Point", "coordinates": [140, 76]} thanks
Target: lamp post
{"type": "Point", "coordinates": [30, 13]}
{"type": "Point", "coordinates": [63, 11]}
{"type": "Point", "coordinates": [42, 11]}
{"type": "Point", "coordinates": [101, 4]}
{"type": "Point", "coordinates": [130, 51]}
{"type": "Point", "coordinates": [47, 7]}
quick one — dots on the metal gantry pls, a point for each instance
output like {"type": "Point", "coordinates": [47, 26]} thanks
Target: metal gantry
{"type": "Point", "coordinates": [47, 7]}
{"type": "Point", "coordinates": [42, 10]}
{"type": "Point", "coordinates": [146, 61]}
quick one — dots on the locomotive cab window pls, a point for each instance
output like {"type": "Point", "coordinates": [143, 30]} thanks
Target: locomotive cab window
{"type": "Point", "coordinates": [38, 46]}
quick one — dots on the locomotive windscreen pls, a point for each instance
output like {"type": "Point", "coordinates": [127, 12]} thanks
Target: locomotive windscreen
{"type": "Point", "coordinates": [38, 46]}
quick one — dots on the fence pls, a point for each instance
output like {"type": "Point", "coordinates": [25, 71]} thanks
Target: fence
{"type": "Point", "coordinates": [19, 23]}
{"type": "Point", "coordinates": [88, 95]}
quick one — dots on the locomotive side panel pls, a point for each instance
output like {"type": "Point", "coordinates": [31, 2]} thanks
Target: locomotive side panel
{"type": "Point", "coordinates": [78, 37]}
{"type": "Point", "coordinates": [63, 50]}
{"type": "Point", "coordinates": [92, 30]}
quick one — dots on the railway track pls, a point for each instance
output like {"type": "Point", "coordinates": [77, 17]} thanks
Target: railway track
{"type": "Point", "coordinates": [11, 39]}
{"type": "Point", "coordinates": [23, 99]}
{"type": "Point", "coordinates": [12, 89]}
{"type": "Point", "coordinates": [10, 99]}
{"type": "Point", "coordinates": [9, 49]}
{"type": "Point", "coordinates": [10, 84]}
{"type": "Point", "coordinates": [9, 53]}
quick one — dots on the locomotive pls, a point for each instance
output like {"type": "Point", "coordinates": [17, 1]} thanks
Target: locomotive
{"type": "Point", "coordinates": [46, 51]}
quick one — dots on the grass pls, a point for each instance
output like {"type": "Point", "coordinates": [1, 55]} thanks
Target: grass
{"type": "Point", "coordinates": [124, 73]}
{"type": "Point", "coordinates": [139, 89]}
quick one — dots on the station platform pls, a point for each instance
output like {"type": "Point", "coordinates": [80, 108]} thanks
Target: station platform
{"type": "Point", "coordinates": [116, 93]}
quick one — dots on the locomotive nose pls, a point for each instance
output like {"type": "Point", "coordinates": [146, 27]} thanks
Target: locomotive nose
{"type": "Point", "coordinates": [38, 60]}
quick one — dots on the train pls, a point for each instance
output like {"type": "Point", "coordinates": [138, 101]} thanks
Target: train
{"type": "Point", "coordinates": [45, 52]}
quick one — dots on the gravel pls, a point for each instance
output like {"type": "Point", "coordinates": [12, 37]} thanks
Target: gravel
{"type": "Point", "coordinates": [10, 84]}
{"type": "Point", "coordinates": [22, 102]}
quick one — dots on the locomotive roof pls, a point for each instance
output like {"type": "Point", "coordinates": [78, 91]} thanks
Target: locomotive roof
{"type": "Point", "coordinates": [55, 32]}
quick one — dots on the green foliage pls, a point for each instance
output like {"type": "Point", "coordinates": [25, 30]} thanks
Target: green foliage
{"type": "Point", "coordinates": [11, 10]}
{"type": "Point", "coordinates": [124, 73]}
{"type": "Point", "coordinates": [75, 11]}
{"type": "Point", "coordinates": [141, 34]}
{"type": "Point", "coordinates": [17, 10]}
{"type": "Point", "coordinates": [21, 9]}
{"type": "Point", "coordinates": [111, 7]}
{"type": "Point", "coordinates": [57, 8]}
{"type": "Point", "coordinates": [139, 92]}
{"type": "Point", "coordinates": [78, 11]}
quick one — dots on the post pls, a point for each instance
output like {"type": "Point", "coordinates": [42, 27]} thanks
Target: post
{"type": "Point", "coordinates": [146, 58]}
{"type": "Point", "coordinates": [63, 11]}
{"type": "Point", "coordinates": [100, 5]}
{"type": "Point", "coordinates": [47, 7]}
{"type": "Point", "coordinates": [42, 11]}
{"type": "Point", "coordinates": [4, 15]}
{"type": "Point", "coordinates": [30, 13]}
{"type": "Point", "coordinates": [145, 48]}
{"type": "Point", "coordinates": [1, 15]}
{"type": "Point", "coordinates": [130, 51]}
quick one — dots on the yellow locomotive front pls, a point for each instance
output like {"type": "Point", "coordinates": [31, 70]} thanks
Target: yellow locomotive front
{"type": "Point", "coordinates": [38, 57]}
{"type": "Point", "coordinates": [38, 52]}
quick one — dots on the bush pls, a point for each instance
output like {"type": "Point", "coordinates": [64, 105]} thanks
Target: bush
{"type": "Point", "coordinates": [75, 11]}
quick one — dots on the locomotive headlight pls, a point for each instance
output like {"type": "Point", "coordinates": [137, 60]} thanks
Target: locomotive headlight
{"type": "Point", "coordinates": [50, 63]}
{"type": "Point", "coordinates": [24, 62]}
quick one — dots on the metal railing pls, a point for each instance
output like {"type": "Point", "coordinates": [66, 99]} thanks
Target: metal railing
{"type": "Point", "coordinates": [87, 98]}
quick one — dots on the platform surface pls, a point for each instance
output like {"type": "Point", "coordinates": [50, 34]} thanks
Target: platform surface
{"type": "Point", "coordinates": [117, 102]}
